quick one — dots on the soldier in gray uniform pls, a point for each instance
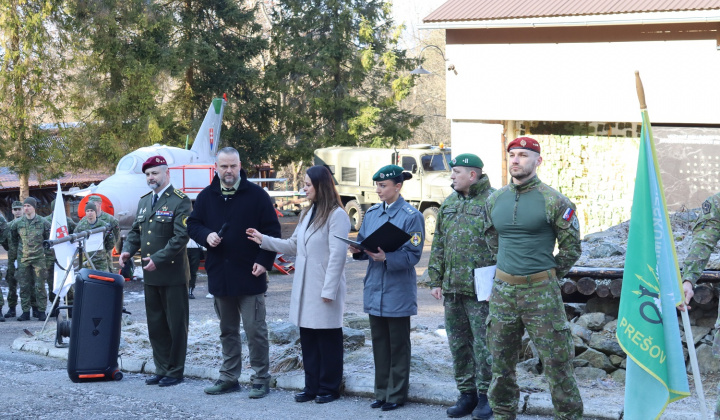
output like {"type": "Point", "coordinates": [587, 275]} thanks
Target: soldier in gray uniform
{"type": "Point", "coordinates": [705, 236]}
{"type": "Point", "coordinates": [458, 248]}
{"type": "Point", "coordinates": [91, 221]}
{"type": "Point", "coordinates": [10, 277]}
{"type": "Point", "coordinates": [28, 235]}
{"type": "Point", "coordinates": [160, 234]}
{"type": "Point", "coordinates": [111, 221]}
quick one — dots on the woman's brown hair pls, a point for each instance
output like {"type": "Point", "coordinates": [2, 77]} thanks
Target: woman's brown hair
{"type": "Point", "coordinates": [327, 198]}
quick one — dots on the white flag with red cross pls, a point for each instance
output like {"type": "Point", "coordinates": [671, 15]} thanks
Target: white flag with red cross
{"type": "Point", "coordinates": [64, 252]}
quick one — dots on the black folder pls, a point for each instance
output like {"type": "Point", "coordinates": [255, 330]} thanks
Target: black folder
{"type": "Point", "coordinates": [388, 237]}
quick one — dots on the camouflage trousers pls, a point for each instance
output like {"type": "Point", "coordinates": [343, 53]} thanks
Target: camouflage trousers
{"type": "Point", "coordinates": [538, 307]}
{"type": "Point", "coordinates": [31, 276]}
{"type": "Point", "coordinates": [465, 320]}
{"type": "Point", "coordinates": [11, 279]}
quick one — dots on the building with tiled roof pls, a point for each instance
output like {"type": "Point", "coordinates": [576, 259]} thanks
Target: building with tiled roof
{"type": "Point", "coordinates": [564, 71]}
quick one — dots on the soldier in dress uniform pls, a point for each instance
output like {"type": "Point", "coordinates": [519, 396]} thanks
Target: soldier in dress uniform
{"type": "Point", "coordinates": [458, 248]}
{"type": "Point", "coordinates": [27, 236]}
{"type": "Point", "coordinates": [10, 277]}
{"type": "Point", "coordinates": [524, 220]}
{"type": "Point", "coordinates": [159, 232]}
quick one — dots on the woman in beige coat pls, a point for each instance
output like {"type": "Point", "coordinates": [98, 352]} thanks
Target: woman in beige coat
{"type": "Point", "coordinates": [318, 291]}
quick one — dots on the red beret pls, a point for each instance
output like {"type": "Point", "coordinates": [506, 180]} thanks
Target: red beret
{"type": "Point", "coordinates": [524, 143]}
{"type": "Point", "coordinates": [153, 161]}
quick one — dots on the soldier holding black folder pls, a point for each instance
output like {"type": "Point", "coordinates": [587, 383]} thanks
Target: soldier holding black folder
{"type": "Point", "coordinates": [390, 294]}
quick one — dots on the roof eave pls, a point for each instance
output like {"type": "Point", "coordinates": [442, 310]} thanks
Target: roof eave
{"type": "Point", "coordinates": [694, 16]}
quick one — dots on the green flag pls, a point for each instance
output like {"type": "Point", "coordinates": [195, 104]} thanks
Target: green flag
{"type": "Point", "coordinates": [648, 328]}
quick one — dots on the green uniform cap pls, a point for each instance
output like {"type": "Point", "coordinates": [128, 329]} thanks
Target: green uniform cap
{"type": "Point", "coordinates": [17, 205]}
{"type": "Point", "coordinates": [95, 198]}
{"type": "Point", "coordinates": [387, 172]}
{"type": "Point", "coordinates": [467, 159]}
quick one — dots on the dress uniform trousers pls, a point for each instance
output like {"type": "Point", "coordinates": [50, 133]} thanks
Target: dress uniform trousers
{"type": "Point", "coordinates": [168, 315]}
{"type": "Point", "coordinates": [391, 352]}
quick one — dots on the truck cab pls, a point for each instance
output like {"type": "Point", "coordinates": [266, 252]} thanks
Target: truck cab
{"type": "Point", "coordinates": [353, 168]}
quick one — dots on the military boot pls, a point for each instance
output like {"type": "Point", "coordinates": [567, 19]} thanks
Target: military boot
{"type": "Point", "coordinates": [464, 405]}
{"type": "Point", "coordinates": [483, 410]}
{"type": "Point", "coordinates": [41, 316]}
{"type": "Point", "coordinates": [11, 313]}
{"type": "Point", "coordinates": [24, 317]}
{"type": "Point", "coordinates": [190, 295]}
{"type": "Point", "coordinates": [34, 311]}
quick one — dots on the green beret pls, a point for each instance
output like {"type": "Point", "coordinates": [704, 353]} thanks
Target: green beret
{"type": "Point", "coordinates": [17, 205]}
{"type": "Point", "coordinates": [95, 198]}
{"type": "Point", "coordinates": [466, 159]}
{"type": "Point", "coordinates": [387, 172]}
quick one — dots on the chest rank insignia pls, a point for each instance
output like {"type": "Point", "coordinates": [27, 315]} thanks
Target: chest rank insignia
{"type": "Point", "coordinates": [706, 206]}
{"type": "Point", "coordinates": [416, 238]}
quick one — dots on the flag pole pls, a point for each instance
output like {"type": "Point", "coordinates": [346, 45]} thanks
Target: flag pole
{"type": "Point", "coordinates": [686, 319]}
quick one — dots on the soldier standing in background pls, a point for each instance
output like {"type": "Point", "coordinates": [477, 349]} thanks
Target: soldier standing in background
{"type": "Point", "coordinates": [110, 220]}
{"type": "Point", "coordinates": [705, 236]}
{"type": "Point", "coordinates": [91, 221]}
{"type": "Point", "coordinates": [10, 277]}
{"type": "Point", "coordinates": [524, 220]}
{"type": "Point", "coordinates": [3, 238]}
{"type": "Point", "coordinates": [27, 236]}
{"type": "Point", "coordinates": [458, 248]}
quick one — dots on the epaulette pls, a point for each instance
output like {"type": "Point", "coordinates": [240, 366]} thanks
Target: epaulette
{"type": "Point", "coordinates": [180, 193]}
{"type": "Point", "coordinates": [374, 207]}
{"type": "Point", "coordinates": [145, 195]}
{"type": "Point", "coordinates": [410, 209]}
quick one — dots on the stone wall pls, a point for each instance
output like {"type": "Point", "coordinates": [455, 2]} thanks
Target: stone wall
{"type": "Point", "coordinates": [593, 164]}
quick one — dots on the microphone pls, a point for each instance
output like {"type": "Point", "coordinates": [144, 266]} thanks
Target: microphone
{"type": "Point", "coordinates": [222, 229]}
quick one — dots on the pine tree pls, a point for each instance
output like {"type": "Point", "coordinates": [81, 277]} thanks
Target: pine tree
{"type": "Point", "coordinates": [29, 87]}
{"type": "Point", "coordinates": [337, 75]}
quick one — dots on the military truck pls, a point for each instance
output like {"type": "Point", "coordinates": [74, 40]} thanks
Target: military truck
{"type": "Point", "coordinates": [353, 168]}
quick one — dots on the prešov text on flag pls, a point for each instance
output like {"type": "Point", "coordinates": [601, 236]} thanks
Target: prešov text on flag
{"type": "Point", "coordinates": [648, 328]}
{"type": "Point", "coordinates": [64, 252]}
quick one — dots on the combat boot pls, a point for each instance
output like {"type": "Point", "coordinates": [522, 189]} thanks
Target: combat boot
{"type": "Point", "coordinates": [464, 405]}
{"type": "Point", "coordinates": [483, 410]}
{"type": "Point", "coordinates": [41, 316]}
{"type": "Point", "coordinates": [34, 311]}
{"type": "Point", "coordinates": [11, 313]}
{"type": "Point", "coordinates": [25, 316]}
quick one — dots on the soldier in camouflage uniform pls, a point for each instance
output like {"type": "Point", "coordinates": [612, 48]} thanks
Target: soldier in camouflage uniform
{"type": "Point", "coordinates": [110, 220]}
{"type": "Point", "coordinates": [91, 221]}
{"type": "Point", "coordinates": [524, 220]}
{"type": "Point", "coordinates": [10, 277]}
{"type": "Point", "coordinates": [706, 234]}
{"type": "Point", "coordinates": [27, 236]}
{"type": "Point", "coordinates": [50, 272]}
{"type": "Point", "coordinates": [458, 248]}
{"type": "Point", "coordinates": [3, 238]}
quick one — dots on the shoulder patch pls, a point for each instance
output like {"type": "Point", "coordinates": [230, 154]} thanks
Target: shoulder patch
{"type": "Point", "coordinates": [184, 221]}
{"type": "Point", "coordinates": [416, 238]}
{"type": "Point", "coordinates": [180, 193]}
{"type": "Point", "coordinates": [706, 207]}
{"type": "Point", "coordinates": [569, 213]}
{"type": "Point", "coordinates": [575, 223]}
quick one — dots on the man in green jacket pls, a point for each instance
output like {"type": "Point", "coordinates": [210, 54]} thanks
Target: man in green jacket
{"type": "Point", "coordinates": [457, 250]}
{"type": "Point", "coordinates": [10, 277]}
{"type": "Point", "coordinates": [159, 232]}
{"type": "Point", "coordinates": [525, 219]}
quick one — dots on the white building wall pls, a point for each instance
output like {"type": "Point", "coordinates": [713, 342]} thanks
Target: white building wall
{"type": "Point", "coordinates": [584, 82]}
{"type": "Point", "coordinates": [483, 140]}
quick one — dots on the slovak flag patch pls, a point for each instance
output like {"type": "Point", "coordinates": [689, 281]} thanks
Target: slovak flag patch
{"type": "Point", "coordinates": [568, 214]}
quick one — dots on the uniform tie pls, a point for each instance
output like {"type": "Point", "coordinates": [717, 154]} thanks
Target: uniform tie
{"type": "Point", "coordinates": [154, 201]}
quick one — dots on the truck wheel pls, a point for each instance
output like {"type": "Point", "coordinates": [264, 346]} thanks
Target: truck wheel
{"type": "Point", "coordinates": [430, 216]}
{"type": "Point", "coordinates": [356, 213]}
